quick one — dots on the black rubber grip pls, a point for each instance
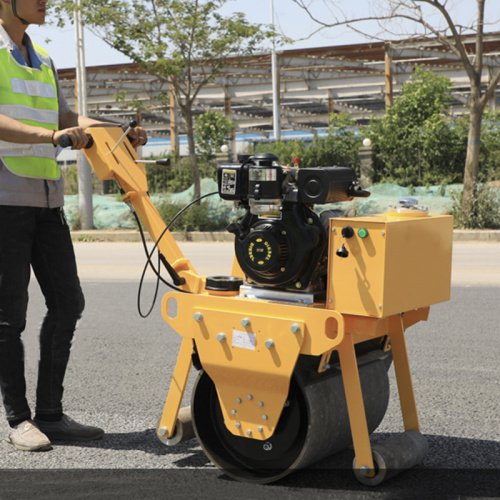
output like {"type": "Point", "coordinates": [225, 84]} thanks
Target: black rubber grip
{"type": "Point", "coordinates": [66, 142]}
{"type": "Point", "coordinates": [164, 163]}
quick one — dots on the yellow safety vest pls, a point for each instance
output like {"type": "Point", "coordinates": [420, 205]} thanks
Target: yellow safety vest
{"type": "Point", "coordinates": [29, 95]}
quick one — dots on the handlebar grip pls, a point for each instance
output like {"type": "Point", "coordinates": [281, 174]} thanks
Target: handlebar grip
{"type": "Point", "coordinates": [66, 142]}
{"type": "Point", "coordinates": [163, 163]}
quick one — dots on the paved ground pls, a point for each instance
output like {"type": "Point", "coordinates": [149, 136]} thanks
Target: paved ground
{"type": "Point", "coordinates": [461, 235]}
{"type": "Point", "coordinates": [473, 262]}
{"type": "Point", "coordinates": [121, 366]}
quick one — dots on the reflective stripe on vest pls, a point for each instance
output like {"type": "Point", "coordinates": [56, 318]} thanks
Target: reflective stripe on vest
{"type": "Point", "coordinates": [29, 95]}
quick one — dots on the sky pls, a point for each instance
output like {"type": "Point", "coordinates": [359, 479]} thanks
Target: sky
{"type": "Point", "coordinates": [288, 17]}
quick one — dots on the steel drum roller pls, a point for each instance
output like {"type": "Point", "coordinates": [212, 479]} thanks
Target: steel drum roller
{"type": "Point", "coordinates": [313, 425]}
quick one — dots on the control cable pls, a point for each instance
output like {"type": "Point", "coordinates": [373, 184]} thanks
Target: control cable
{"type": "Point", "coordinates": [149, 255]}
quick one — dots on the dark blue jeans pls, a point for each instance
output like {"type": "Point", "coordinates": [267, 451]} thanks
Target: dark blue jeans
{"type": "Point", "coordinates": [36, 238]}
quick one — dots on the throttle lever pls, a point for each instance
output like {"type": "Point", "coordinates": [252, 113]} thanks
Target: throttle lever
{"type": "Point", "coordinates": [347, 232]}
{"type": "Point", "coordinates": [132, 124]}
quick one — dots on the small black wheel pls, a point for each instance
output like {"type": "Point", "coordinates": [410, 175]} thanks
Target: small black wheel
{"type": "Point", "coordinates": [380, 471]}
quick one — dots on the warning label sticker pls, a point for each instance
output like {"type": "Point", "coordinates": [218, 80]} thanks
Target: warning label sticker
{"type": "Point", "coordinates": [244, 340]}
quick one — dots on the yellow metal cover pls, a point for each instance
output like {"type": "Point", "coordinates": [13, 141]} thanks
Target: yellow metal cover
{"type": "Point", "coordinates": [394, 264]}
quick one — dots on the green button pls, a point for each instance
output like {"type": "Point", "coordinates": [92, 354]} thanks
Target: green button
{"type": "Point", "coordinates": [363, 233]}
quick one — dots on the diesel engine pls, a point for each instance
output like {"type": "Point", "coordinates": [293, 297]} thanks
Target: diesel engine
{"type": "Point", "coordinates": [280, 241]}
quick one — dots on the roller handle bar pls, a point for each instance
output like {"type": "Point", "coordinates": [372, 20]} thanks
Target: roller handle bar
{"type": "Point", "coordinates": [65, 140]}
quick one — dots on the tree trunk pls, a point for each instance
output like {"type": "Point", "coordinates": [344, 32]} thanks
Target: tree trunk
{"type": "Point", "coordinates": [471, 171]}
{"type": "Point", "coordinates": [195, 171]}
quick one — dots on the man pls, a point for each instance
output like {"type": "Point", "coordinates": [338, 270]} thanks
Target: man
{"type": "Point", "coordinates": [33, 231]}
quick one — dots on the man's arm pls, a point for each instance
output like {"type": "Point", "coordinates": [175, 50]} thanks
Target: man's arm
{"type": "Point", "coordinates": [70, 124]}
{"type": "Point", "coordinates": [74, 125]}
{"type": "Point", "coordinates": [15, 131]}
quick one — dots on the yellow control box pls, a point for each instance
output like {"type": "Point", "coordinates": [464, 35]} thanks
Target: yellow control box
{"type": "Point", "coordinates": [389, 264]}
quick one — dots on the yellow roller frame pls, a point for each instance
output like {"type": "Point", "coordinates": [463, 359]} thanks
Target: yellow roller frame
{"type": "Point", "coordinates": [249, 347]}
{"type": "Point", "coordinates": [121, 165]}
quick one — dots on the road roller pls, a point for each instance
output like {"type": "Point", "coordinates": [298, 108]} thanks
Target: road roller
{"type": "Point", "coordinates": [292, 349]}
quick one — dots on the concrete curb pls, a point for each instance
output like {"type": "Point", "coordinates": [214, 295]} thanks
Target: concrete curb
{"type": "Point", "coordinates": [476, 235]}
{"type": "Point", "coordinates": [119, 235]}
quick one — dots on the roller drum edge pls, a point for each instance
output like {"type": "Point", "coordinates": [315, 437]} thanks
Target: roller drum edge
{"type": "Point", "coordinates": [396, 454]}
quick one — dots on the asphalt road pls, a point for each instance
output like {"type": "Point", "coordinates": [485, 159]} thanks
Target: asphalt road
{"type": "Point", "coordinates": [121, 366]}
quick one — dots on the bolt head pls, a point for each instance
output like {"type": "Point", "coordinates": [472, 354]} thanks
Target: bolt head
{"type": "Point", "coordinates": [261, 403]}
{"type": "Point", "coordinates": [163, 431]}
{"type": "Point", "coordinates": [364, 470]}
{"type": "Point", "coordinates": [238, 425]}
{"type": "Point", "coordinates": [198, 316]}
{"type": "Point", "coordinates": [249, 397]}
{"type": "Point", "coordinates": [234, 412]}
{"type": "Point", "coordinates": [269, 343]}
{"type": "Point", "coordinates": [249, 432]}
{"type": "Point", "coordinates": [245, 322]}
{"type": "Point", "coordinates": [264, 417]}
{"type": "Point", "coordinates": [221, 337]}
{"type": "Point", "coordinates": [260, 428]}
{"type": "Point", "coordinates": [238, 400]}
{"type": "Point", "coordinates": [295, 328]}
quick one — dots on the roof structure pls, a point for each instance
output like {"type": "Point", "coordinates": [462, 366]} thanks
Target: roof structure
{"type": "Point", "coordinates": [313, 83]}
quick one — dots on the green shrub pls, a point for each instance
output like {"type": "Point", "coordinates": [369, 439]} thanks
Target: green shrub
{"type": "Point", "coordinates": [286, 151]}
{"type": "Point", "coordinates": [416, 142]}
{"type": "Point", "coordinates": [485, 212]}
{"type": "Point", "coordinates": [195, 218]}
{"type": "Point", "coordinates": [177, 177]}
{"type": "Point", "coordinates": [70, 174]}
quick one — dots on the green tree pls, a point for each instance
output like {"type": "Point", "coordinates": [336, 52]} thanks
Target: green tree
{"type": "Point", "coordinates": [286, 151]}
{"type": "Point", "coordinates": [415, 142]}
{"type": "Point", "coordinates": [212, 130]}
{"type": "Point", "coordinates": [434, 18]}
{"type": "Point", "coordinates": [185, 43]}
{"type": "Point", "coordinates": [489, 156]}
{"type": "Point", "coordinates": [339, 147]}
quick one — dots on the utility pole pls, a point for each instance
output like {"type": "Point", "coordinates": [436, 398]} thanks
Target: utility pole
{"type": "Point", "coordinates": [85, 208]}
{"type": "Point", "coordinates": [275, 77]}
